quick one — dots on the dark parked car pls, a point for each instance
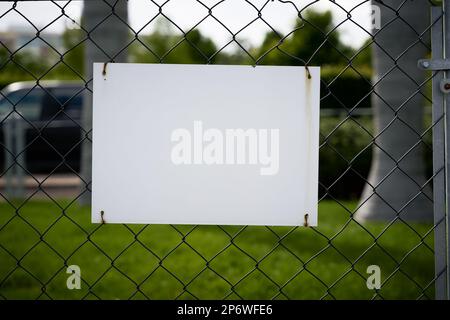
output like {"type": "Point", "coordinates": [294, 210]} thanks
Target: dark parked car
{"type": "Point", "coordinates": [52, 126]}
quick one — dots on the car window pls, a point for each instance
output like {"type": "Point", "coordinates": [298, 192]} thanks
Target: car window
{"type": "Point", "coordinates": [26, 102]}
{"type": "Point", "coordinates": [62, 104]}
{"type": "Point", "coordinates": [5, 106]}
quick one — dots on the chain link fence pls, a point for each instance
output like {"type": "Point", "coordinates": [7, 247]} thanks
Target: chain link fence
{"type": "Point", "coordinates": [376, 152]}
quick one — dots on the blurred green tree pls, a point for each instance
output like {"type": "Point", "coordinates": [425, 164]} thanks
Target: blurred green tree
{"type": "Point", "coordinates": [165, 45]}
{"type": "Point", "coordinates": [314, 40]}
{"type": "Point", "coordinates": [74, 48]}
{"type": "Point", "coordinates": [21, 63]}
{"type": "Point", "coordinates": [20, 66]}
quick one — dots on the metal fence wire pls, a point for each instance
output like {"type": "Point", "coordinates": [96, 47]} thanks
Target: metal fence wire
{"type": "Point", "coordinates": [379, 138]}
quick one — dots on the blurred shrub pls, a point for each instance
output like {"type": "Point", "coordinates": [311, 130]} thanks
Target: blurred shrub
{"type": "Point", "coordinates": [344, 142]}
{"type": "Point", "coordinates": [344, 88]}
{"type": "Point", "coordinates": [312, 31]}
{"type": "Point", "coordinates": [346, 153]}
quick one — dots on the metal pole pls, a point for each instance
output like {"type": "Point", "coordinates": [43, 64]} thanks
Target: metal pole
{"type": "Point", "coordinates": [15, 133]}
{"type": "Point", "coordinates": [439, 187]}
{"type": "Point", "coordinates": [8, 128]}
{"type": "Point", "coordinates": [446, 47]}
{"type": "Point", "coordinates": [20, 157]}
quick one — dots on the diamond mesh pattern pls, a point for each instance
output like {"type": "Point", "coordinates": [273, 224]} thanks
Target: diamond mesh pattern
{"type": "Point", "coordinates": [43, 233]}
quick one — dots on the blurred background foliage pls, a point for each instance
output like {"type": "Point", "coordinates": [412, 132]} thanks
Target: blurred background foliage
{"type": "Point", "coordinates": [345, 75]}
{"type": "Point", "coordinates": [342, 66]}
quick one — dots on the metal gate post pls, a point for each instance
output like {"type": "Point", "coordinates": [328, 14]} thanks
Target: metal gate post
{"type": "Point", "coordinates": [440, 66]}
{"type": "Point", "coordinates": [439, 165]}
{"type": "Point", "coordinates": [14, 131]}
{"type": "Point", "coordinates": [8, 133]}
{"type": "Point", "coordinates": [446, 39]}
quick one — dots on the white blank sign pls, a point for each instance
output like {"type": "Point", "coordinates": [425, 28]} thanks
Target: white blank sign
{"type": "Point", "coordinates": [205, 144]}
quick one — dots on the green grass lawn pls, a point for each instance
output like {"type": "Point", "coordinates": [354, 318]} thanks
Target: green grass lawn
{"type": "Point", "coordinates": [120, 262]}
